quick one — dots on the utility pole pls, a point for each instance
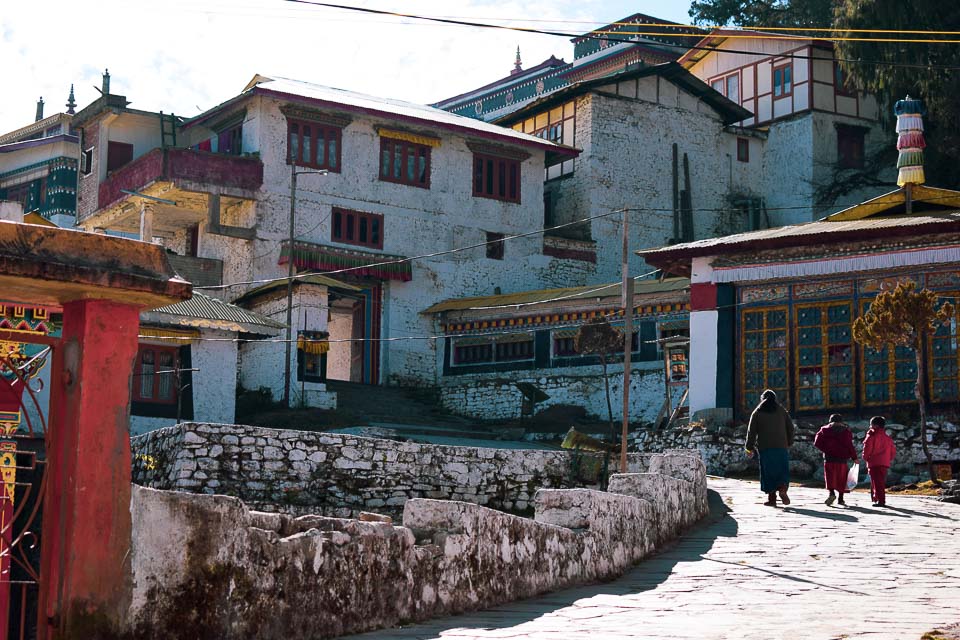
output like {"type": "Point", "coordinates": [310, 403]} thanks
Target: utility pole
{"type": "Point", "coordinates": [627, 286]}
{"type": "Point", "coordinates": [289, 338]}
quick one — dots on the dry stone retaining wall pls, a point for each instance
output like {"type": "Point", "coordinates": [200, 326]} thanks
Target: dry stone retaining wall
{"type": "Point", "coordinates": [341, 475]}
{"type": "Point", "coordinates": [228, 572]}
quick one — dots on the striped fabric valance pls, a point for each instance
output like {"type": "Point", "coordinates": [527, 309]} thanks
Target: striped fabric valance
{"type": "Point", "coordinates": [324, 259]}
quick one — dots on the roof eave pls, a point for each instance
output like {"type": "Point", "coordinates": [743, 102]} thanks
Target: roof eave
{"type": "Point", "coordinates": [535, 143]}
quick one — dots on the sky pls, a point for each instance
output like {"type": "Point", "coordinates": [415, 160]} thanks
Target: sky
{"type": "Point", "coordinates": [185, 56]}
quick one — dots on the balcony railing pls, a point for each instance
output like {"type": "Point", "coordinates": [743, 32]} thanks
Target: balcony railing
{"type": "Point", "coordinates": [198, 168]}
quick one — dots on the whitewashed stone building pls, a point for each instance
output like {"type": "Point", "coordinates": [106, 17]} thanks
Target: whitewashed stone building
{"type": "Point", "coordinates": [401, 181]}
{"type": "Point", "coordinates": [817, 127]}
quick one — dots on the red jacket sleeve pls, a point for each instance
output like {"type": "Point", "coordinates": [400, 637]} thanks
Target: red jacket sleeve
{"type": "Point", "coordinates": [848, 441]}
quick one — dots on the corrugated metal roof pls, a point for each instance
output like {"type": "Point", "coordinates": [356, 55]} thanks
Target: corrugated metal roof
{"type": "Point", "coordinates": [204, 308]}
{"type": "Point", "coordinates": [539, 296]}
{"type": "Point", "coordinates": [820, 232]}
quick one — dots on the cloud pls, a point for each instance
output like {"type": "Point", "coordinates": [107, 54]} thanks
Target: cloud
{"type": "Point", "coordinates": [184, 56]}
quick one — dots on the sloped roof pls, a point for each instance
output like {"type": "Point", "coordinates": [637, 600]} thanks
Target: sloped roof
{"type": "Point", "coordinates": [538, 296]}
{"type": "Point", "coordinates": [210, 313]}
{"type": "Point", "coordinates": [923, 197]}
{"type": "Point", "coordinates": [302, 279]}
{"type": "Point", "coordinates": [712, 41]}
{"type": "Point", "coordinates": [728, 110]}
{"type": "Point", "coordinates": [386, 107]}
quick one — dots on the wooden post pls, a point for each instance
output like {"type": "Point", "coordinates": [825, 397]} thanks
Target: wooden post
{"type": "Point", "coordinates": [908, 191]}
{"type": "Point", "coordinates": [627, 287]}
{"type": "Point", "coordinates": [676, 196]}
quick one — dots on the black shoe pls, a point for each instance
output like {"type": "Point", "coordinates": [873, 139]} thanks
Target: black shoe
{"type": "Point", "coordinates": [877, 504]}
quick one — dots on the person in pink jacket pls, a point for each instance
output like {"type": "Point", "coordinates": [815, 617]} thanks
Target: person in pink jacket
{"type": "Point", "coordinates": [878, 453]}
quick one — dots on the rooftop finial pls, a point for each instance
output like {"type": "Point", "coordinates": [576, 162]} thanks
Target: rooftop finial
{"type": "Point", "coordinates": [517, 68]}
{"type": "Point", "coordinates": [910, 141]}
{"type": "Point", "coordinates": [71, 102]}
{"type": "Point", "coordinates": [39, 110]}
{"type": "Point", "coordinates": [106, 82]}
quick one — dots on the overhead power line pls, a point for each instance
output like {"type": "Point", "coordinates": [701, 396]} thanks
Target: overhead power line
{"type": "Point", "coordinates": [607, 38]}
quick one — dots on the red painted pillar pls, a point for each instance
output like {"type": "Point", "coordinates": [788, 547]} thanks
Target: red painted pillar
{"type": "Point", "coordinates": [85, 568]}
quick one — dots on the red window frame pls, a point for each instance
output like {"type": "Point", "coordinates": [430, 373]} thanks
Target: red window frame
{"type": "Point", "coordinates": [309, 154]}
{"type": "Point", "coordinates": [496, 178]}
{"type": "Point", "coordinates": [148, 385]}
{"type": "Point", "coordinates": [782, 68]}
{"type": "Point", "coordinates": [743, 149]}
{"type": "Point", "coordinates": [357, 228]}
{"type": "Point", "coordinates": [399, 160]}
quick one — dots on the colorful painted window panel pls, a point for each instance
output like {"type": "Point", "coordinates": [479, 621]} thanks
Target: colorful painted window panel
{"type": "Point", "coordinates": [824, 346]}
{"type": "Point", "coordinates": [889, 375]}
{"type": "Point", "coordinates": [943, 366]}
{"type": "Point", "coordinates": [763, 353]}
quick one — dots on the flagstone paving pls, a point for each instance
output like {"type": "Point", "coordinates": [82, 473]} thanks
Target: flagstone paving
{"type": "Point", "coordinates": [806, 571]}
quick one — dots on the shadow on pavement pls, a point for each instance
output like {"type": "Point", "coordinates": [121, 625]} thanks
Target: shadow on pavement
{"type": "Point", "coordinates": [785, 576]}
{"type": "Point", "coordinates": [833, 514]}
{"type": "Point", "coordinates": [648, 574]}
{"type": "Point", "coordinates": [879, 512]}
{"type": "Point", "coordinates": [924, 514]}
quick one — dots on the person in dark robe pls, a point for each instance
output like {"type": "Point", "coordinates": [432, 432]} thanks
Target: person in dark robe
{"type": "Point", "coordinates": [770, 435]}
{"type": "Point", "coordinates": [835, 440]}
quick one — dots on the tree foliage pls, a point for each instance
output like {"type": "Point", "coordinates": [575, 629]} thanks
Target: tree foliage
{"type": "Point", "coordinates": [917, 69]}
{"type": "Point", "coordinates": [904, 317]}
{"type": "Point", "coordinates": [763, 13]}
{"type": "Point", "coordinates": [597, 337]}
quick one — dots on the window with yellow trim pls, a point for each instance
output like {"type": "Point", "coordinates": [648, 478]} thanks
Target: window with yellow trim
{"type": "Point", "coordinates": [824, 363]}
{"type": "Point", "coordinates": [889, 375]}
{"type": "Point", "coordinates": [944, 358]}
{"type": "Point", "coordinates": [763, 354]}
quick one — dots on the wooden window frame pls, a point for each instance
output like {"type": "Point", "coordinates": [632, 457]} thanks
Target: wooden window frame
{"type": "Point", "coordinates": [410, 151]}
{"type": "Point", "coordinates": [954, 336]}
{"type": "Point", "coordinates": [891, 381]}
{"type": "Point", "coordinates": [490, 172]}
{"type": "Point", "coordinates": [495, 246]}
{"type": "Point", "coordinates": [773, 80]}
{"type": "Point", "coordinates": [86, 162]}
{"type": "Point", "coordinates": [330, 132]}
{"type": "Point", "coordinates": [137, 395]}
{"type": "Point", "coordinates": [824, 346]}
{"type": "Point", "coordinates": [724, 89]}
{"type": "Point", "coordinates": [346, 225]}
{"type": "Point", "coordinates": [743, 150]}
{"type": "Point", "coordinates": [765, 310]}
{"type": "Point", "coordinates": [457, 353]}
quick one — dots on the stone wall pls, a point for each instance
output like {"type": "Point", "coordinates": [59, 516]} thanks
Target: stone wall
{"type": "Point", "coordinates": [721, 447]}
{"type": "Point", "coordinates": [341, 475]}
{"type": "Point", "coordinates": [494, 396]}
{"type": "Point", "coordinates": [228, 572]}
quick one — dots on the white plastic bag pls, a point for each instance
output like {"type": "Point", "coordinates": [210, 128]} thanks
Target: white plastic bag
{"type": "Point", "coordinates": [853, 476]}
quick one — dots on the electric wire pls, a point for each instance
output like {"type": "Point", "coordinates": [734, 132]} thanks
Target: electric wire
{"type": "Point", "coordinates": [531, 30]}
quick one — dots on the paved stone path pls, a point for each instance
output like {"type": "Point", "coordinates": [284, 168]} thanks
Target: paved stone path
{"type": "Point", "coordinates": [806, 571]}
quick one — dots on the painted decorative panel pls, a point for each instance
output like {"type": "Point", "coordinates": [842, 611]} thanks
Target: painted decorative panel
{"type": "Point", "coordinates": [889, 375]}
{"type": "Point", "coordinates": [764, 294]}
{"type": "Point", "coordinates": [944, 280]}
{"type": "Point", "coordinates": [823, 290]}
{"type": "Point", "coordinates": [876, 285]}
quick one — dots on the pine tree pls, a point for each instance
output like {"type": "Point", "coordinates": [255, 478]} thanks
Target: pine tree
{"type": "Point", "coordinates": [903, 317]}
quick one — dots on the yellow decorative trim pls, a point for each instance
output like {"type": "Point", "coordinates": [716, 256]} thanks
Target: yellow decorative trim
{"type": "Point", "coordinates": [176, 334]}
{"type": "Point", "coordinates": [415, 138]}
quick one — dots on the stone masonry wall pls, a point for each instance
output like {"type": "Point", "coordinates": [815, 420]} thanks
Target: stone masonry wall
{"type": "Point", "coordinates": [721, 446]}
{"type": "Point", "coordinates": [342, 475]}
{"type": "Point", "coordinates": [227, 572]}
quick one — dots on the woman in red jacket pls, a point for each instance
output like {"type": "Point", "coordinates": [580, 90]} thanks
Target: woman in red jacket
{"type": "Point", "coordinates": [836, 442]}
{"type": "Point", "coordinates": [878, 453]}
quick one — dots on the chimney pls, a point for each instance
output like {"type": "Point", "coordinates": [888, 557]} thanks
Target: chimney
{"type": "Point", "coordinates": [106, 82]}
{"type": "Point", "coordinates": [71, 103]}
{"type": "Point", "coordinates": [39, 110]}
